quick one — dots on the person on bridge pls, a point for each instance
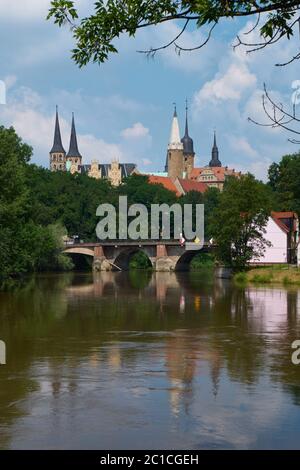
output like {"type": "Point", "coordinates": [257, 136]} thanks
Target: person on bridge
{"type": "Point", "coordinates": [181, 240]}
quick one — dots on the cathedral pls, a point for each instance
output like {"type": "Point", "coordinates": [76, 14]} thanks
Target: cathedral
{"type": "Point", "coordinates": [180, 175]}
{"type": "Point", "coordinates": [71, 161]}
{"type": "Point", "coordinates": [180, 163]}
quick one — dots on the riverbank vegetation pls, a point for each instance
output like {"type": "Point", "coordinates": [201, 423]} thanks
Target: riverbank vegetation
{"type": "Point", "coordinates": [276, 274]}
{"type": "Point", "coordinates": [38, 207]}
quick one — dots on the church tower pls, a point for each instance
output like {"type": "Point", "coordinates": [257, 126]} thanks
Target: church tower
{"type": "Point", "coordinates": [188, 148]}
{"type": "Point", "coordinates": [215, 162]}
{"type": "Point", "coordinates": [74, 158]}
{"type": "Point", "coordinates": [175, 159]}
{"type": "Point", "coordinates": [57, 153]}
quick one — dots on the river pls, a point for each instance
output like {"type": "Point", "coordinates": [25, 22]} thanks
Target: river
{"type": "Point", "coordinates": [148, 361]}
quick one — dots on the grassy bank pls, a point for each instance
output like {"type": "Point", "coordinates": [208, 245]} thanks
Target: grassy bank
{"type": "Point", "coordinates": [277, 274]}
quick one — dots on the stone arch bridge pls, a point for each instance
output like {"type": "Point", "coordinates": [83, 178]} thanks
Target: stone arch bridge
{"type": "Point", "coordinates": [116, 255]}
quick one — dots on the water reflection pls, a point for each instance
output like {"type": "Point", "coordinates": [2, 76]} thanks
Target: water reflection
{"type": "Point", "coordinates": [148, 360]}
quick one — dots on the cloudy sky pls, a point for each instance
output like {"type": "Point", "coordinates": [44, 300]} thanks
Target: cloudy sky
{"type": "Point", "coordinates": [123, 108]}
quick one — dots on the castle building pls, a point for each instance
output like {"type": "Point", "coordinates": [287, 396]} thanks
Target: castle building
{"type": "Point", "coordinates": [57, 153]}
{"type": "Point", "coordinates": [73, 158]}
{"type": "Point", "coordinates": [180, 171]}
{"type": "Point", "coordinates": [188, 148]}
{"type": "Point", "coordinates": [72, 161]}
{"type": "Point", "coordinates": [180, 175]}
{"type": "Point", "coordinates": [175, 159]}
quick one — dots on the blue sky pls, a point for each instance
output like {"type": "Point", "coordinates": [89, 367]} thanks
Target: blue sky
{"type": "Point", "coordinates": [123, 108]}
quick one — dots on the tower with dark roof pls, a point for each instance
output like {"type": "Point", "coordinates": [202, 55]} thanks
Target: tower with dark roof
{"type": "Point", "coordinates": [175, 159]}
{"type": "Point", "coordinates": [57, 153]}
{"type": "Point", "coordinates": [188, 147]}
{"type": "Point", "coordinates": [74, 158]}
{"type": "Point", "coordinates": [215, 162]}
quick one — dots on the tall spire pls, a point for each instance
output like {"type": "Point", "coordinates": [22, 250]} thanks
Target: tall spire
{"type": "Point", "coordinates": [215, 162]}
{"type": "Point", "coordinates": [73, 149]}
{"type": "Point", "coordinates": [186, 118]}
{"type": "Point", "coordinates": [175, 142]}
{"type": "Point", "coordinates": [57, 142]}
{"type": "Point", "coordinates": [188, 144]}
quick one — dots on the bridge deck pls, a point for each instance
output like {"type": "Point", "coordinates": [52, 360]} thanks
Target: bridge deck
{"type": "Point", "coordinates": [128, 243]}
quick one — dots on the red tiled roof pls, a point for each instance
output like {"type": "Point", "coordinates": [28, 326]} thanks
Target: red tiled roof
{"type": "Point", "coordinates": [195, 173]}
{"type": "Point", "coordinates": [219, 172]}
{"type": "Point", "coordinates": [278, 216]}
{"type": "Point", "coordinates": [281, 225]}
{"type": "Point", "coordinates": [165, 181]}
{"type": "Point", "coordinates": [188, 185]}
{"type": "Point", "coordinates": [285, 215]}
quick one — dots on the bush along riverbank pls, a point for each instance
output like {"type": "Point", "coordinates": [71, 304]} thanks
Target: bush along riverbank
{"type": "Point", "coordinates": [277, 274]}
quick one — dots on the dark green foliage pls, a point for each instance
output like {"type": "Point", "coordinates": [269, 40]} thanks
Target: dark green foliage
{"type": "Point", "coordinates": [202, 260]}
{"type": "Point", "coordinates": [71, 199]}
{"type": "Point", "coordinates": [284, 180]}
{"type": "Point", "coordinates": [26, 243]}
{"type": "Point", "coordinates": [210, 199]}
{"type": "Point", "coordinates": [139, 261]}
{"type": "Point", "coordinates": [239, 221]}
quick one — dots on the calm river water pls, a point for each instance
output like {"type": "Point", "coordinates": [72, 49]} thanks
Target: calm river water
{"type": "Point", "coordinates": [141, 360]}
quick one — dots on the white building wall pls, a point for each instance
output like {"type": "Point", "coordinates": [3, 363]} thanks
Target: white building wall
{"type": "Point", "coordinates": [277, 252]}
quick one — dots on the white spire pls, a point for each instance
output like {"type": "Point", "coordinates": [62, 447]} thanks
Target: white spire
{"type": "Point", "coordinates": [175, 141]}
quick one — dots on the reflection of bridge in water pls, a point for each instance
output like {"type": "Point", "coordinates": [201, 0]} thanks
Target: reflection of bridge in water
{"type": "Point", "coordinates": [115, 255]}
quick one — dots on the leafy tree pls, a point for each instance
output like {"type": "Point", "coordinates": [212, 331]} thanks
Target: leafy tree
{"type": "Point", "coordinates": [95, 35]}
{"type": "Point", "coordinates": [139, 190]}
{"type": "Point", "coordinates": [26, 244]}
{"type": "Point", "coordinates": [211, 200]}
{"type": "Point", "coordinates": [13, 198]}
{"type": "Point", "coordinates": [239, 221]}
{"type": "Point", "coordinates": [284, 179]}
{"type": "Point", "coordinates": [70, 199]}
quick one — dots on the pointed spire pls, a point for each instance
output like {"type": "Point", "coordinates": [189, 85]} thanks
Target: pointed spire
{"type": "Point", "coordinates": [188, 144]}
{"type": "Point", "coordinates": [73, 149]}
{"type": "Point", "coordinates": [175, 142]}
{"type": "Point", "coordinates": [186, 119]}
{"type": "Point", "coordinates": [175, 109]}
{"type": "Point", "coordinates": [57, 142]}
{"type": "Point", "coordinates": [215, 162]}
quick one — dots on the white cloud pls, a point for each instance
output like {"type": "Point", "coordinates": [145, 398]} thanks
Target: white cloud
{"type": "Point", "coordinates": [227, 86]}
{"type": "Point", "coordinates": [25, 113]}
{"type": "Point", "coordinates": [93, 148]}
{"type": "Point", "coordinates": [10, 81]}
{"type": "Point", "coordinates": [259, 167]}
{"type": "Point", "coordinates": [137, 131]}
{"type": "Point", "coordinates": [241, 144]}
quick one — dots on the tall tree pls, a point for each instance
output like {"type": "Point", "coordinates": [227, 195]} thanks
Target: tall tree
{"type": "Point", "coordinates": [284, 179]}
{"type": "Point", "coordinates": [13, 197]}
{"type": "Point", "coordinates": [239, 221]}
{"type": "Point", "coordinates": [94, 35]}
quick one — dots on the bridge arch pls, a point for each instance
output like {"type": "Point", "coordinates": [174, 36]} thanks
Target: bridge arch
{"type": "Point", "coordinates": [122, 261]}
{"type": "Point", "coordinates": [184, 261]}
{"type": "Point", "coordinates": [79, 251]}
{"type": "Point", "coordinates": [82, 257]}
